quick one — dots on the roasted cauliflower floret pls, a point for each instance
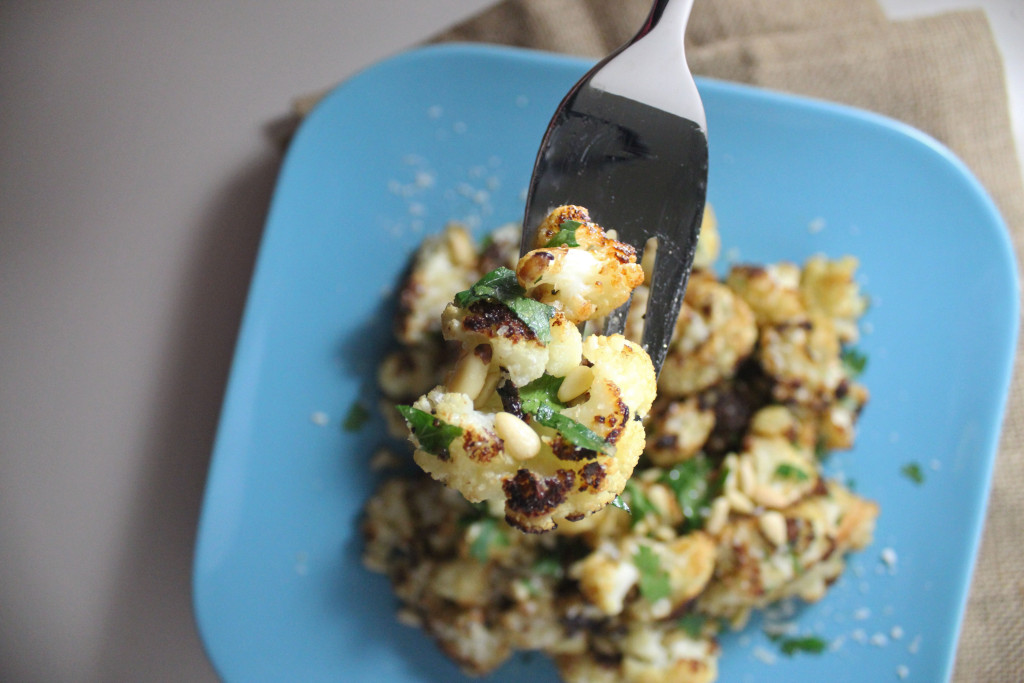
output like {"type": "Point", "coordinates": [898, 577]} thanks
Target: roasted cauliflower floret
{"type": "Point", "coordinates": [646, 654]}
{"type": "Point", "coordinates": [709, 242]}
{"type": "Point", "coordinates": [678, 431]}
{"type": "Point", "coordinates": [577, 268]}
{"type": "Point", "coordinates": [714, 333]}
{"type": "Point", "coordinates": [542, 472]}
{"type": "Point", "coordinates": [804, 360]}
{"type": "Point", "coordinates": [829, 290]}
{"type": "Point", "coordinates": [443, 265]}
{"type": "Point", "coordinates": [513, 346]}
{"type": "Point", "coordinates": [797, 552]}
{"type": "Point", "coordinates": [532, 414]}
{"type": "Point", "coordinates": [609, 574]}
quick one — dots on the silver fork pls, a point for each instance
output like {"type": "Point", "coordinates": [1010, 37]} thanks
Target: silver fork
{"type": "Point", "coordinates": [629, 143]}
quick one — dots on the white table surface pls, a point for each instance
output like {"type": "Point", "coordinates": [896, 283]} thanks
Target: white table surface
{"type": "Point", "coordinates": [135, 172]}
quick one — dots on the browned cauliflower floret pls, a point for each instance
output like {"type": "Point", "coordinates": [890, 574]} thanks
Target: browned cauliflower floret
{"type": "Point", "coordinates": [540, 473]}
{"type": "Point", "coordinates": [713, 335]}
{"type": "Point", "coordinates": [678, 431]}
{"type": "Point", "coordinates": [772, 292]}
{"type": "Point", "coordinates": [533, 414]}
{"type": "Point", "coordinates": [646, 653]}
{"type": "Point", "coordinates": [586, 281]}
{"type": "Point", "coordinates": [445, 264]}
{"type": "Point", "coordinates": [829, 290]}
{"type": "Point", "coordinates": [797, 552]}
{"type": "Point", "coordinates": [514, 347]}
{"type": "Point", "coordinates": [709, 243]}
{"type": "Point", "coordinates": [804, 360]}
{"type": "Point", "coordinates": [609, 574]}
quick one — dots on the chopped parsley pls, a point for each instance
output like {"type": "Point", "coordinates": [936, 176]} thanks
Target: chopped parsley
{"type": "Point", "coordinates": [787, 471]}
{"type": "Point", "coordinates": [566, 235]}
{"type": "Point", "coordinates": [489, 535]}
{"type": "Point", "coordinates": [695, 487]}
{"type": "Point", "coordinates": [639, 504]}
{"type": "Point", "coordinates": [548, 565]}
{"type": "Point", "coordinates": [654, 583]}
{"type": "Point", "coordinates": [434, 435]}
{"type": "Point", "coordinates": [913, 472]}
{"type": "Point", "coordinates": [811, 644]}
{"type": "Point", "coordinates": [540, 401]}
{"type": "Point", "coordinates": [620, 503]}
{"type": "Point", "coordinates": [356, 418]}
{"type": "Point", "coordinates": [502, 285]}
{"type": "Point", "coordinates": [821, 449]}
{"type": "Point", "coordinates": [854, 361]}
{"type": "Point", "coordinates": [692, 624]}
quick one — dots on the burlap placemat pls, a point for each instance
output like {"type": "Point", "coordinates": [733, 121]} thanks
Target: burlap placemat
{"type": "Point", "coordinates": [941, 74]}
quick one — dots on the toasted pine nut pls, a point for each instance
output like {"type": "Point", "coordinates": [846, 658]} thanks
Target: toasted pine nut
{"type": "Point", "coordinates": [575, 383]}
{"type": "Point", "coordinates": [469, 376]}
{"type": "Point", "coordinates": [460, 246]}
{"type": "Point", "coordinates": [773, 526]}
{"type": "Point", "coordinates": [521, 442]}
{"type": "Point", "coordinates": [647, 260]}
{"type": "Point", "coordinates": [747, 477]}
{"type": "Point", "coordinates": [739, 502]}
{"type": "Point", "coordinates": [490, 386]}
{"type": "Point", "coordinates": [772, 420]}
{"type": "Point", "coordinates": [718, 517]}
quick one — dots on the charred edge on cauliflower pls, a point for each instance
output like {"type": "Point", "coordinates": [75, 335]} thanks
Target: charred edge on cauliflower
{"type": "Point", "coordinates": [564, 450]}
{"type": "Point", "coordinates": [534, 496]}
{"type": "Point", "coordinates": [491, 318]}
{"type": "Point", "coordinates": [511, 401]}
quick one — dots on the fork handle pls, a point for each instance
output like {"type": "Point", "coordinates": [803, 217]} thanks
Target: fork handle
{"type": "Point", "coordinates": [651, 68]}
{"type": "Point", "coordinates": [675, 13]}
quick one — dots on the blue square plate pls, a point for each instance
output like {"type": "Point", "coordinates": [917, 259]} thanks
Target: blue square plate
{"type": "Point", "coordinates": [450, 133]}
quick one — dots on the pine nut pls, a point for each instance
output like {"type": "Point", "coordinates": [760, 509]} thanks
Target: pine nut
{"type": "Point", "coordinates": [773, 526]}
{"type": "Point", "coordinates": [460, 246]}
{"type": "Point", "coordinates": [718, 517]}
{"type": "Point", "coordinates": [521, 442]}
{"type": "Point", "coordinates": [575, 383]}
{"type": "Point", "coordinates": [772, 420]}
{"type": "Point", "coordinates": [739, 502]}
{"type": "Point", "coordinates": [747, 477]}
{"type": "Point", "coordinates": [490, 386]}
{"type": "Point", "coordinates": [469, 376]}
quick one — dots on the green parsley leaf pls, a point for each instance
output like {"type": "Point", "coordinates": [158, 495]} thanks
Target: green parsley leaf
{"type": "Point", "coordinates": [620, 503]}
{"type": "Point", "coordinates": [433, 435]}
{"type": "Point", "coordinates": [639, 504]}
{"type": "Point", "coordinates": [695, 487]}
{"type": "Point", "coordinates": [692, 624]}
{"type": "Point", "coordinates": [812, 644]}
{"type": "Point", "coordinates": [654, 583]}
{"type": "Point", "coordinates": [820, 449]}
{"type": "Point", "coordinates": [787, 471]}
{"type": "Point", "coordinates": [913, 472]}
{"type": "Point", "coordinates": [356, 418]}
{"type": "Point", "coordinates": [548, 565]}
{"type": "Point", "coordinates": [502, 285]}
{"type": "Point", "coordinates": [488, 535]}
{"type": "Point", "coordinates": [854, 361]}
{"type": "Point", "coordinates": [540, 401]}
{"type": "Point", "coordinates": [566, 235]}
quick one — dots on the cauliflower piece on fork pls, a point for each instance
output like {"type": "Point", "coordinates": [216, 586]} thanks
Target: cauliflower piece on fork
{"type": "Point", "coordinates": [533, 414]}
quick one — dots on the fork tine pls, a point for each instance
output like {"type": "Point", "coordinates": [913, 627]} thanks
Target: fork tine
{"type": "Point", "coordinates": [668, 284]}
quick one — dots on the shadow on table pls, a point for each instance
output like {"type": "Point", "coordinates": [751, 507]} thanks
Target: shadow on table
{"type": "Point", "coordinates": [151, 612]}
